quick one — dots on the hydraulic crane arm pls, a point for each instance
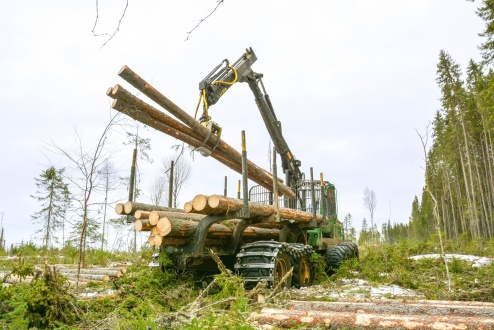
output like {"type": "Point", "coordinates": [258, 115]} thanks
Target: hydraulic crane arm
{"type": "Point", "coordinates": [218, 81]}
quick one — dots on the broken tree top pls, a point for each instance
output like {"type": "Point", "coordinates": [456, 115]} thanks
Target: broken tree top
{"type": "Point", "coordinates": [185, 129]}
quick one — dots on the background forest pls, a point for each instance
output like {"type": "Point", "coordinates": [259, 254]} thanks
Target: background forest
{"type": "Point", "coordinates": [459, 164]}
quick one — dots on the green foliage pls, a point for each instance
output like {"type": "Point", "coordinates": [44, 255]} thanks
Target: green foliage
{"type": "Point", "coordinates": [43, 303]}
{"type": "Point", "coordinates": [54, 196]}
{"type": "Point", "coordinates": [320, 267]}
{"type": "Point", "coordinates": [391, 264]}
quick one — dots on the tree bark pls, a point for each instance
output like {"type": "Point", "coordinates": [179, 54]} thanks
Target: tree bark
{"type": "Point", "coordinates": [187, 228]}
{"type": "Point", "coordinates": [131, 207]}
{"type": "Point", "coordinates": [227, 204]}
{"type": "Point", "coordinates": [178, 215]}
{"type": "Point", "coordinates": [140, 214]}
{"type": "Point", "coordinates": [142, 117]}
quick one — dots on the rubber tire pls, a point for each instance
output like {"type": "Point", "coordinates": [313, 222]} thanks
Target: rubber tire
{"type": "Point", "coordinates": [353, 248]}
{"type": "Point", "coordinates": [335, 255]}
{"type": "Point", "coordinates": [283, 258]}
{"type": "Point", "coordinates": [298, 265]}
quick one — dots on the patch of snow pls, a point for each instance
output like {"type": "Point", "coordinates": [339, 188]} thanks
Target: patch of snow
{"type": "Point", "coordinates": [356, 288]}
{"type": "Point", "coordinates": [476, 261]}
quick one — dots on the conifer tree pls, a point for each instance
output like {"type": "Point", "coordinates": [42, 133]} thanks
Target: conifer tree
{"type": "Point", "coordinates": [54, 196]}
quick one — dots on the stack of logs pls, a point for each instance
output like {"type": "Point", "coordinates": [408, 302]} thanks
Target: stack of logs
{"type": "Point", "coordinates": [91, 274]}
{"type": "Point", "coordinates": [188, 130]}
{"type": "Point", "coordinates": [86, 275]}
{"type": "Point", "coordinates": [176, 227]}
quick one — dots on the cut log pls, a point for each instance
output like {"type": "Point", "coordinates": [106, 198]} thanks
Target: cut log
{"type": "Point", "coordinates": [135, 80]}
{"type": "Point", "coordinates": [187, 228]}
{"type": "Point", "coordinates": [91, 271]}
{"type": "Point", "coordinates": [131, 207]}
{"type": "Point", "coordinates": [180, 215]}
{"type": "Point", "coordinates": [119, 209]}
{"type": "Point", "coordinates": [163, 227]}
{"type": "Point", "coordinates": [217, 153]}
{"type": "Point", "coordinates": [94, 277]}
{"type": "Point", "coordinates": [157, 240]}
{"type": "Point", "coordinates": [140, 214]}
{"type": "Point", "coordinates": [188, 207]}
{"type": "Point", "coordinates": [226, 204]}
{"type": "Point", "coordinates": [200, 202]}
{"type": "Point", "coordinates": [387, 314]}
{"type": "Point", "coordinates": [142, 225]}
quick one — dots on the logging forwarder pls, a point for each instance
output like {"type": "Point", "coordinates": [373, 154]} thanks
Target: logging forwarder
{"type": "Point", "coordinates": [271, 260]}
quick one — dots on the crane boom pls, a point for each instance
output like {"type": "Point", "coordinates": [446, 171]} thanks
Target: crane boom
{"type": "Point", "coordinates": [218, 81]}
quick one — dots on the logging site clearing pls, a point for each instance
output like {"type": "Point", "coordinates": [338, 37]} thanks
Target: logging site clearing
{"type": "Point", "coordinates": [383, 291]}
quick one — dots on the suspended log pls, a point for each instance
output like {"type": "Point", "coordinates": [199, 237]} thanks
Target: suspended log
{"type": "Point", "coordinates": [119, 209]}
{"type": "Point", "coordinates": [142, 225]}
{"type": "Point", "coordinates": [120, 93]}
{"type": "Point", "coordinates": [131, 207]}
{"type": "Point", "coordinates": [142, 117]}
{"type": "Point", "coordinates": [135, 80]}
{"type": "Point", "coordinates": [140, 214]}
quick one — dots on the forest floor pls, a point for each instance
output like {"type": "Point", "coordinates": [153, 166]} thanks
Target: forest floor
{"type": "Point", "coordinates": [390, 287]}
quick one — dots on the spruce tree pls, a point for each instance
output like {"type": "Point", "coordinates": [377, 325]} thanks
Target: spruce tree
{"type": "Point", "coordinates": [54, 196]}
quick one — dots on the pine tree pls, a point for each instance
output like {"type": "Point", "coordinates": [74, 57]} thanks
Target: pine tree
{"type": "Point", "coordinates": [54, 196]}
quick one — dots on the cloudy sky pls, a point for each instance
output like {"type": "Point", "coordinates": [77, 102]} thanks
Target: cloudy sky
{"type": "Point", "coordinates": [351, 81]}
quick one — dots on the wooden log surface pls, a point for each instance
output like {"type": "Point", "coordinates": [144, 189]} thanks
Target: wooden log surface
{"type": "Point", "coordinates": [188, 207]}
{"type": "Point", "coordinates": [119, 209]}
{"type": "Point", "coordinates": [135, 80]}
{"type": "Point", "coordinates": [92, 271]}
{"type": "Point", "coordinates": [131, 207]}
{"type": "Point", "coordinates": [179, 215]}
{"type": "Point", "coordinates": [226, 204]}
{"type": "Point", "coordinates": [141, 214]}
{"type": "Point", "coordinates": [187, 229]}
{"type": "Point", "coordinates": [142, 225]}
{"type": "Point", "coordinates": [164, 226]}
{"type": "Point", "coordinates": [94, 277]}
{"type": "Point", "coordinates": [217, 154]}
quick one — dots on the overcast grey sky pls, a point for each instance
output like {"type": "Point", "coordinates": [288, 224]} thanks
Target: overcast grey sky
{"type": "Point", "coordinates": [351, 81]}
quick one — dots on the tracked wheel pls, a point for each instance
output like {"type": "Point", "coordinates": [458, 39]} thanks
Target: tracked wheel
{"type": "Point", "coordinates": [281, 268]}
{"type": "Point", "coordinates": [303, 271]}
{"type": "Point", "coordinates": [264, 261]}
